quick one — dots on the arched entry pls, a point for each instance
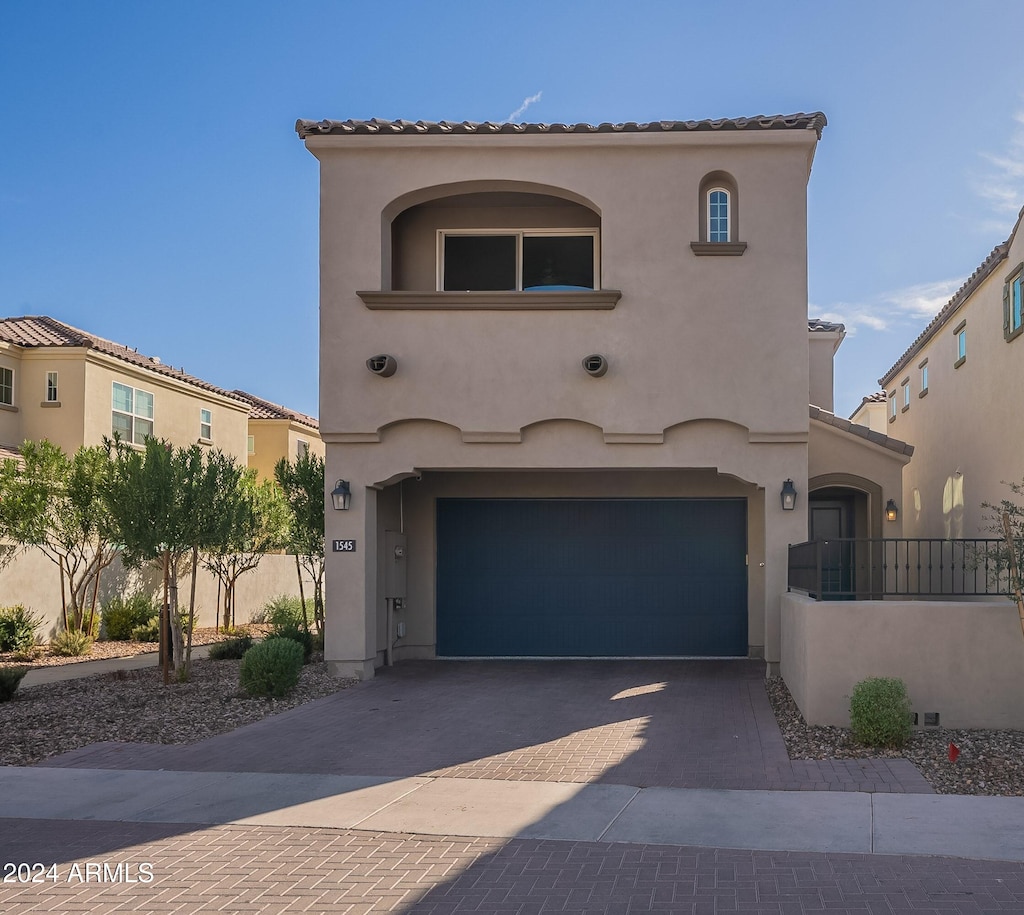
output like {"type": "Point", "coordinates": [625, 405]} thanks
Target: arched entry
{"type": "Point", "coordinates": [844, 511]}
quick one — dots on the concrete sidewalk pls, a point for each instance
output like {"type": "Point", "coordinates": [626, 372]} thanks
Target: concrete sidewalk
{"type": "Point", "coordinates": [39, 675]}
{"type": "Point", "coordinates": [850, 822]}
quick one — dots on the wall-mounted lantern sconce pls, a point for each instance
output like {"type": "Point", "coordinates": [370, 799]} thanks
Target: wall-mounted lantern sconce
{"type": "Point", "coordinates": [891, 511]}
{"type": "Point", "coordinates": [788, 495]}
{"type": "Point", "coordinates": [341, 496]}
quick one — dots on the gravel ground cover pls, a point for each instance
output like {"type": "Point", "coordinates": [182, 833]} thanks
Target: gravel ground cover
{"type": "Point", "coordinates": [136, 706]}
{"type": "Point", "coordinates": [990, 762]}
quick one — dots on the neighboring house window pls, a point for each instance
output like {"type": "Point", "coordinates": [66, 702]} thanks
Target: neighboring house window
{"type": "Point", "coordinates": [302, 448]}
{"type": "Point", "coordinates": [960, 332]}
{"type": "Point", "coordinates": [906, 394]}
{"type": "Point", "coordinates": [205, 425]}
{"type": "Point", "coordinates": [132, 414]}
{"type": "Point", "coordinates": [517, 260]}
{"type": "Point", "coordinates": [250, 444]}
{"type": "Point", "coordinates": [1013, 304]}
{"type": "Point", "coordinates": [892, 406]}
{"type": "Point", "coordinates": [718, 215]}
{"type": "Point", "coordinates": [51, 387]}
{"type": "Point", "coordinates": [924, 379]}
{"type": "Point", "coordinates": [7, 386]}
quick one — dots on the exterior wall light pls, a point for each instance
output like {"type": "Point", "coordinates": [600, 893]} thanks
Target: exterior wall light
{"type": "Point", "coordinates": [341, 496]}
{"type": "Point", "coordinates": [788, 495]}
{"type": "Point", "coordinates": [891, 511]}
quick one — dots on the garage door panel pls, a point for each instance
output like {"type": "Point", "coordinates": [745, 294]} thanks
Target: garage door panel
{"type": "Point", "coordinates": [591, 577]}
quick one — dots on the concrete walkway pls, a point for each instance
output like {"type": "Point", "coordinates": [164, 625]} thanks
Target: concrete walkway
{"type": "Point", "coordinates": [78, 669]}
{"type": "Point", "coordinates": [847, 822]}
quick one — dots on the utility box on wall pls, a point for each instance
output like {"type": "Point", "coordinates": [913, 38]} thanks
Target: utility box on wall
{"type": "Point", "coordinates": [395, 564]}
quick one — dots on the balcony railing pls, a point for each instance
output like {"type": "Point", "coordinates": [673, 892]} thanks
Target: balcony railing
{"type": "Point", "coordinates": [873, 569]}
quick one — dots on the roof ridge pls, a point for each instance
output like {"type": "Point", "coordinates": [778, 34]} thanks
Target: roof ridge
{"type": "Point", "coordinates": [861, 431]}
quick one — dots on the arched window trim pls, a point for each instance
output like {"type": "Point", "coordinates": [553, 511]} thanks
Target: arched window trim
{"type": "Point", "coordinates": [709, 234]}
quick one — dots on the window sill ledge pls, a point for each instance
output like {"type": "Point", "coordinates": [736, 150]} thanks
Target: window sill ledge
{"type": "Point", "coordinates": [1015, 333]}
{"type": "Point", "coordinates": [204, 441]}
{"type": "Point", "coordinates": [596, 299]}
{"type": "Point", "coordinates": [959, 362]}
{"type": "Point", "coordinates": [719, 248]}
{"type": "Point", "coordinates": [49, 403]}
{"type": "Point", "coordinates": [923, 393]}
{"type": "Point", "coordinates": [9, 408]}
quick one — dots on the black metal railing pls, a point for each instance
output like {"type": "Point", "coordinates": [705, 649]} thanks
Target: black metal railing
{"type": "Point", "coordinates": [872, 569]}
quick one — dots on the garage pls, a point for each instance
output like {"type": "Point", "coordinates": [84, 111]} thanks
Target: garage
{"type": "Point", "coordinates": [591, 577]}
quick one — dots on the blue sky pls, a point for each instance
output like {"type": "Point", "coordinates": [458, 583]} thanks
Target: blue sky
{"type": "Point", "coordinates": [153, 191]}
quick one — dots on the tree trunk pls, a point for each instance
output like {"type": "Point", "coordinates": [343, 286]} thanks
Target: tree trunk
{"type": "Point", "coordinates": [302, 593]}
{"type": "Point", "coordinates": [1014, 568]}
{"type": "Point", "coordinates": [187, 660]}
{"type": "Point", "coordinates": [165, 612]}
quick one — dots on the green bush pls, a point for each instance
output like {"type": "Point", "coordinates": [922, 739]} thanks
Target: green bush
{"type": "Point", "coordinates": [123, 614]}
{"type": "Point", "coordinates": [71, 643]}
{"type": "Point", "coordinates": [10, 677]}
{"type": "Point", "coordinates": [18, 627]}
{"type": "Point", "coordinates": [280, 611]}
{"type": "Point", "coordinates": [880, 713]}
{"type": "Point", "coordinates": [271, 668]}
{"type": "Point", "coordinates": [296, 634]}
{"type": "Point", "coordinates": [231, 649]}
{"type": "Point", "coordinates": [148, 631]}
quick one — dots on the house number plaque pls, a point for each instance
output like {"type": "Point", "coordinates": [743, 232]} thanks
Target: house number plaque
{"type": "Point", "coordinates": [343, 546]}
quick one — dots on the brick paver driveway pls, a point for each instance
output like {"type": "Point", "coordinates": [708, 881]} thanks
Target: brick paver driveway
{"type": "Point", "coordinates": [676, 724]}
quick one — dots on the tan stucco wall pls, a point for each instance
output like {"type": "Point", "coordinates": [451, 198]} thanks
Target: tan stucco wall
{"type": "Point", "coordinates": [176, 407]}
{"type": "Point", "coordinates": [962, 660]}
{"type": "Point", "coordinates": [275, 439]}
{"type": "Point", "coordinates": [873, 416]}
{"type": "Point", "coordinates": [822, 346]}
{"type": "Point", "coordinates": [967, 429]}
{"type": "Point", "coordinates": [31, 579]}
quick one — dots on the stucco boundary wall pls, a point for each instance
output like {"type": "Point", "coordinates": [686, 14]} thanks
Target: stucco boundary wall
{"type": "Point", "coordinates": [964, 660]}
{"type": "Point", "coordinates": [33, 580]}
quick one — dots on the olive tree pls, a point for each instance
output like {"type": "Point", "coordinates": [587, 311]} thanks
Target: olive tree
{"type": "Point", "coordinates": [303, 486]}
{"type": "Point", "coordinates": [56, 504]}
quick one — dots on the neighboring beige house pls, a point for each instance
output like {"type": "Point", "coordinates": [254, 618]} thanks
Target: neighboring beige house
{"type": "Point", "coordinates": [565, 374]}
{"type": "Point", "coordinates": [871, 412]}
{"type": "Point", "coordinates": [956, 394]}
{"type": "Point", "coordinates": [276, 432]}
{"type": "Point", "coordinates": [69, 386]}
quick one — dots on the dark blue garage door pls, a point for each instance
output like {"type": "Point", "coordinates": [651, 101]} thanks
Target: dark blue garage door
{"type": "Point", "coordinates": [591, 577]}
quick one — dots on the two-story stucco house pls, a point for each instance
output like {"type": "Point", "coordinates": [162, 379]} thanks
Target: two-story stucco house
{"type": "Point", "coordinates": [955, 393]}
{"type": "Point", "coordinates": [277, 432]}
{"type": "Point", "coordinates": [565, 374]}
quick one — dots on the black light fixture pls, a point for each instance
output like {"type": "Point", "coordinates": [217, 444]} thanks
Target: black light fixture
{"type": "Point", "coordinates": [341, 496]}
{"type": "Point", "coordinates": [891, 511]}
{"type": "Point", "coordinates": [788, 495]}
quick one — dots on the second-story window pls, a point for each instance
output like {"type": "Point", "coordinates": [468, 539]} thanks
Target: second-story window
{"type": "Point", "coordinates": [960, 333]}
{"type": "Point", "coordinates": [206, 425]}
{"type": "Point", "coordinates": [1013, 304]}
{"type": "Point", "coordinates": [924, 378]}
{"type": "Point", "coordinates": [906, 394]}
{"type": "Point", "coordinates": [517, 260]}
{"type": "Point", "coordinates": [302, 448]}
{"type": "Point", "coordinates": [52, 395]}
{"type": "Point", "coordinates": [718, 214]}
{"type": "Point", "coordinates": [131, 414]}
{"type": "Point", "coordinates": [250, 444]}
{"type": "Point", "coordinates": [6, 386]}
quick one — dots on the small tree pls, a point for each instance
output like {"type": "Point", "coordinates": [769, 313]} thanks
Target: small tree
{"type": "Point", "coordinates": [1006, 520]}
{"type": "Point", "coordinates": [303, 485]}
{"type": "Point", "coordinates": [257, 518]}
{"type": "Point", "coordinates": [171, 504]}
{"type": "Point", "coordinates": [57, 504]}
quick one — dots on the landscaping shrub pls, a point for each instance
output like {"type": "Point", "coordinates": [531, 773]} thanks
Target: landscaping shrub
{"type": "Point", "coordinates": [271, 668]}
{"type": "Point", "coordinates": [297, 634]}
{"type": "Point", "coordinates": [121, 615]}
{"type": "Point", "coordinates": [231, 649]}
{"type": "Point", "coordinates": [10, 677]}
{"type": "Point", "coordinates": [18, 627]}
{"type": "Point", "coordinates": [71, 643]}
{"type": "Point", "coordinates": [280, 611]}
{"type": "Point", "coordinates": [148, 631]}
{"type": "Point", "coordinates": [880, 713]}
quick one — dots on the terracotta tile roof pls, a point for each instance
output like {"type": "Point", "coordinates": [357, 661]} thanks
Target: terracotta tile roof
{"type": "Point", "coordinates": [998, 255]}
{"type": "Point", "coordinates": [34, 331]}
{"type": "Point", "coordinates": [816, 324]}
{"type": "Point", "coordinates": [264, 409]}
{"type": "Point", "coordinates": [9, 451]}
{"type": "Point", "coordinates": [893, 444]}
{"type": "Point", "coordinates": [814, 121]}
{"type": "Point", "coordinates": [877, 397]}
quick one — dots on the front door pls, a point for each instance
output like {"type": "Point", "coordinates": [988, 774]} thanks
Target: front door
{"type": "Point", "coordinates": [832, 520]}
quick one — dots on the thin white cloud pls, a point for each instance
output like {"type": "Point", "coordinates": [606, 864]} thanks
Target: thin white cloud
{"type": "Point", "coordinates": [521, 110]}
{"type": "Point", "coordinates": [908, 306]}
{"type": "Point", "coordinates": [1001, 183]}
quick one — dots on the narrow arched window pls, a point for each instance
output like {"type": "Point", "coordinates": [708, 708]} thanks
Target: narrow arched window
{"type": "Point", "coordinates": [718, 215]}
